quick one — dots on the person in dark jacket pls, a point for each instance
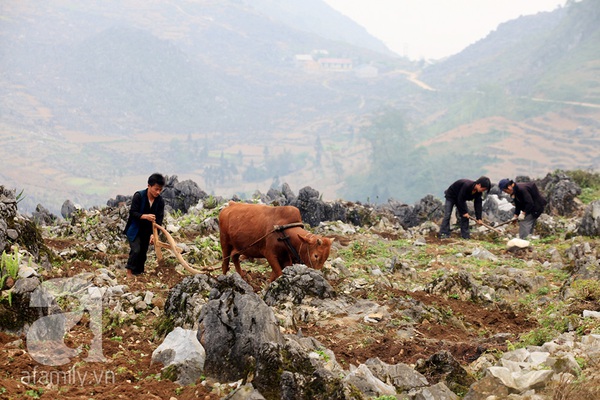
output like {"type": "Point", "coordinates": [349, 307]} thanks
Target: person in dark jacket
{"type": "Point", "coordinates": [147, 207]}
{"type": "Point", "coordinates": [457, 195]}
{"type": "Point", "coordinates": [529, 204]}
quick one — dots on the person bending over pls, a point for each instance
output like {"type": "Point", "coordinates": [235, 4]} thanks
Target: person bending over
{"type": "Point", "coordinates": [529, 204]}
{"type": "Point", "coordinates": [458, 194]}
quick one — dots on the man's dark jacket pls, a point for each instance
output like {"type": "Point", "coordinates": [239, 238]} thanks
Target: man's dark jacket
{"type": "Point", "coordinates": [460, 192]}
{"type": "Point", "coordinates": [528, 198]}
{"type": "Point", "coordinates": [140, 205]}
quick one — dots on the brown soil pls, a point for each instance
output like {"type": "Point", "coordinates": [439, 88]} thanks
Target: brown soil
{"type": "Point", "coordinates": [127, 372]}
{"type": "Point", "coordinates": [466, 332]}
{"type": "Point", "coordinates": [466, 336]}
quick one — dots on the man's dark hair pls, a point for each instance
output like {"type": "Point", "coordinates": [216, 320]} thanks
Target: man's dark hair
{"type": "Point", "coordinates": [156, 179]}
{"type": "Point", "coordinates": [484, 181]}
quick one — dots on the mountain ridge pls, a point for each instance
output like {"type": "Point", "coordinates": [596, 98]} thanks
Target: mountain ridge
{"type": "Point", "coordinates": [212, 91]}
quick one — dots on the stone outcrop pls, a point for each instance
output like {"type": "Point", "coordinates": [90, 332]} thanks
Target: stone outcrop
{"type": "Point", "coordinates": [180, 196]}
{"type": "Point", "coordinates": [297, 282]}
{"type": "Point", "coordinates": [68, 208]}
{"type": "Point", "coordinates": [186, 299]}
{"type": "Point", "coordinates": [427, 209]}
{"type": "Point", "coordinates": [18, 229]}
{"type": "Point", "coordinates": [520, 373]}
{"type": "Point", "coordinates": [182, 356]}
{"type": "Point", "coordinates": [16, 317]}
{"type": "Point", "coordinates": [240, 334]}
{"type": "Point", "coordinates": [561, 193]}
{"type": "Point", "coordinates": [242, 341]}
{"type": "Point", "coordinates": [590, 222]}
{"type": "Point", "coordinates": [442, 367]}
{"type": "Point", "coordinates": [8, 211]}
{"type": "Point", "coordinates": [42, 216]}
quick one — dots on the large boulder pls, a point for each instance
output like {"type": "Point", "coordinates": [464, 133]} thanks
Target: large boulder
{"type": "Point", "coordinates": [20, 230]}
{"type": "Point", "coordinates": [16, 317]}
{"type": "Point", "coordinates": [561, 193]}
{"type": "Point", "coordinates": [427, 209]}
{"type": "Point", "coordinates": [585, 261]}
{"type": "Point", "coordinates": [364, 380]}
{"type": "Point", "coordinates": [282, 197]}
{"type": "Point", "coordinates": [312, 209]}
{"type": "Point", "coordinates": [442, 367]}
{"type": "Point", "coordinates": [437, 391]}
{"type": "Point", "coordinates": [242, 340]}
{"type": "Point", "coordinates": [180, 196]}
{"type": "Point", "coordinates": [276, 198]}
{"type": "Point", "coordinates": [42, 216]}
{"type": "Point", "coordinates": [186, 299]}
{"type": "Point", "coordinates": [68, 209]}
{"type": "Point", "coordinates": [286, 191]}
{"type": "Point", "coordinates": [8, 210]}
{"type": "Point", "coordinates": [240, 335]}
{"type": "Point", "coordinates": [118, 201]}
{"type": "Point", "coordinates": [311, 372]}
{"type": "Point", "coordinates": [181, 355]}
{"type": "Point", "coordinates": [590, 223]}
{"type": "Point", "coordinates": [297, 282]}
{"type": "Point", "coordinates": [498, 208]}
{"type": "Point", "coordinates": [585, 269]}
{"type": "Point", "coordinates": [401, 376]}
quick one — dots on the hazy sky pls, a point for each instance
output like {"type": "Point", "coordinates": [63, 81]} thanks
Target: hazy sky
{"type": "Point", "coordinates": [435, 29]}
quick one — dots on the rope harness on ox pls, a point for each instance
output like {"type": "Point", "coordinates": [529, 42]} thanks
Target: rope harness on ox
{"type": "Point", "coordinates": [285, 238]}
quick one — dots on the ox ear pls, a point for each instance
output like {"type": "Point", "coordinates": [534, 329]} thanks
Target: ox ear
{"type": "Point", "coordinates": [321, 241]}
{"type": "Point", "coordinates": [304, 238]}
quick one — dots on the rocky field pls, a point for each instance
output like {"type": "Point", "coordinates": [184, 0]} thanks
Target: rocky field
{"type": "Point", "coordinates": [395, 314]}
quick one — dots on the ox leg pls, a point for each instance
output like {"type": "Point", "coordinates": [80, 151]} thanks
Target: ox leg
{"type": "Point", "coordinates": [276, 271]}
{"type": "Point", "coordinates": [226, 254]}
{"type": "Point", "coordinates": [225, 266]}
{"type": "Point", "coordinates": [236, 262]}
{"type": "Point", "coordinates": [284, 261]}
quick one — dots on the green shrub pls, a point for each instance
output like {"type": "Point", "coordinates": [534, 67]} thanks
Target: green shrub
{"type": "Point", "coordinates": [589, 182]}
{"type": "Point", "coordinates": [586, 289]}
{"type": "Point", "coordinates": [537, 337]}
{"type": "Point", "coordinates": [9, 265]}
{"type": "Point", "coordinates": [585, 179]}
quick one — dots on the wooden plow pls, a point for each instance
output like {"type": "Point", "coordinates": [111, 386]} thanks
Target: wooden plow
{"type": "Point", "coordinates": [487, 226]}
{"type": "Point", "coordinates": [495, 229]}
{"type": "Point", "coordinates": [171, 245]}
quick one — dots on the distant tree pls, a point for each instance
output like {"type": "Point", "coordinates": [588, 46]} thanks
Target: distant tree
{"type": "Point", "coordinates": [397, 167]}
{"type": "Point", "coordinates": [318, 150]}
{"type": "Point", "coordinates": [203, 156]}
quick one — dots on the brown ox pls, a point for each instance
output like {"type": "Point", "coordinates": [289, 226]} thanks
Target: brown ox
{"type": "Point", "coordinates": [251, 230]}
